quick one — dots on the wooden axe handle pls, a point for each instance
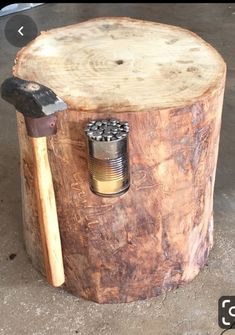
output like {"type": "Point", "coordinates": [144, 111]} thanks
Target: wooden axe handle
{"type": "Point", "coordinates": [47, 213]}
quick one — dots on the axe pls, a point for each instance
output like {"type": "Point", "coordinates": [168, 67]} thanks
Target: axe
{"type": "Point", "coordinates": [39, 104]}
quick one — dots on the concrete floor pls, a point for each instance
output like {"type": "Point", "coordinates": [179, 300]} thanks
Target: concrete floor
{"type": "Point", "coordinates": [28, 305]}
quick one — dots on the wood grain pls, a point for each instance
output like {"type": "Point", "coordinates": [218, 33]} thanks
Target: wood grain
{"type": "Point", "coordinates": [47, 213]}
{"type": "Point", "coordinates": [158, 235]}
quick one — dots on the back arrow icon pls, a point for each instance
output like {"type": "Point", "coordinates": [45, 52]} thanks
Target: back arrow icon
{"type": "Point", "coordinates": [19, 31]}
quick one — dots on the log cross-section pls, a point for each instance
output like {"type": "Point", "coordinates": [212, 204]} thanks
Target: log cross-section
{"type": "Point", "coordinates": [168, 84]}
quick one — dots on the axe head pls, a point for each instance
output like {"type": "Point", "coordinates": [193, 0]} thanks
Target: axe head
{"type": "Point", "coordinates": [30, 98]}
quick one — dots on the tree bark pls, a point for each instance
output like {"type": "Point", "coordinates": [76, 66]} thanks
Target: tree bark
{"type": "Point", "coordinates": [168, 84]}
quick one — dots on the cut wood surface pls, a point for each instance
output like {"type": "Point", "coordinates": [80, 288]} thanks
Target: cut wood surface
{"type": "Point", "coordinates": [168, 84]}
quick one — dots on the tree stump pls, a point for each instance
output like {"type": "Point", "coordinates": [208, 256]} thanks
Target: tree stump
{"type": "Point", "coordinates": [168, 84]}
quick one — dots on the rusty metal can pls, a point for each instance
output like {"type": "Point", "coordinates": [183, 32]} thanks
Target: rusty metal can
{"type": "Point", "coordinates": [108, 157]}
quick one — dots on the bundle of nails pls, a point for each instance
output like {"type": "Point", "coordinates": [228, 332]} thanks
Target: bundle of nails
{"type": "Point", "coordinates": [107, 130]}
